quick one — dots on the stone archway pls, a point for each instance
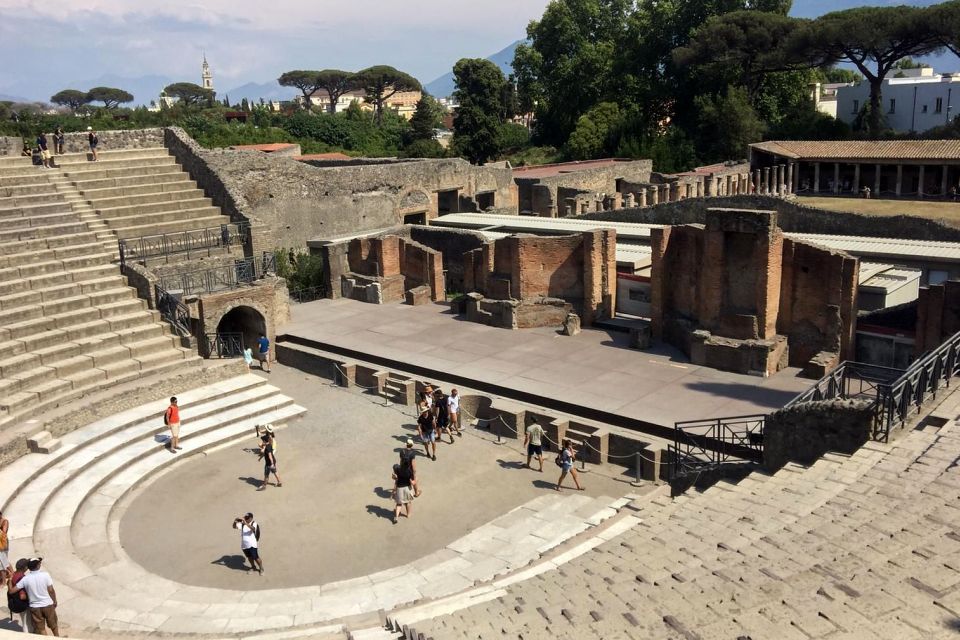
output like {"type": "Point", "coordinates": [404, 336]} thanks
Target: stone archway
{"type": "Point", "coordinates": [246, 321]}
{"type": "Point", "coordinates": [415, 205]}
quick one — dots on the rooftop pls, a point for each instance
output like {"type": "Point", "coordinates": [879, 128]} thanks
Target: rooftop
{"type": "Point", "coordinates": [269, 147]}
{"type": "Point", "coordinates": [550, 170]}
{"type": "Point", "coordinates": [863, 149]}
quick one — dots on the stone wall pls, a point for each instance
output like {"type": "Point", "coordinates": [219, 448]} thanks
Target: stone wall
{"type": "Point", "coordinates": [452, 244]}
{"type": "Point", "coordinates": [298, 202]}
{"type": "Point", "coordinates": [792, 217]}
{"type": "Point", "coordinates": [10, 145]}
{"type": "Point", "coordinates": [113, 140]}
{"type": "Point", "coordinates": [542, 195]}
{"type": "Point", "coordinates": [268, 298]}
{"type": "Point", "coordinates": [579, 269]}
{"type": "Point", "coordinates": [938, 315]}
{"type": "Point", "coordinates": [804, 432]}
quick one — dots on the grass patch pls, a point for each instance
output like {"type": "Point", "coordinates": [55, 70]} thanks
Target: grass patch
{"type": "Point", "coordinates": [948, 212]}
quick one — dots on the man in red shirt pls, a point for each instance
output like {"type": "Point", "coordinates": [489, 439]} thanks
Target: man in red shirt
{"type": "Point", "coordinates": [171, 418]}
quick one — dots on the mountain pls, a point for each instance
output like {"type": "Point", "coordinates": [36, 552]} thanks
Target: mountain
{"type": "Point", "coordinates": [444, 85]}
{"type": "Point", "coordinates": [4, 97]}
{"type": "Point", "coordinates": [253, 92]}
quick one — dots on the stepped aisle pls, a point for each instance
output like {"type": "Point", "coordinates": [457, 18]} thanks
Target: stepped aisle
{"type": "Point", "coordinates": [69, 324]}
{"type": "Point", "coordinates": [136, 192]}
{"type": "Point", "coordinates": [866, 546]}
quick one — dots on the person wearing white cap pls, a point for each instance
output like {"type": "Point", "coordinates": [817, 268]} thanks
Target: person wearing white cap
{"type": "Point", "coordinates": [408, 459]}
{"type": "Point", "coordinates": [42, 597]}
{"type": "Point", "coordinates": [94, 140]}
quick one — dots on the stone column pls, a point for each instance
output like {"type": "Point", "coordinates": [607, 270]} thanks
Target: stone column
{"type": "Point", "coordinates": [766, 180]}
{"type": "Point", "coordinates": [757, 181]}
{"type": "Point", "coordinates": [899, 179]}
{"type": "Point", "coordinates": [876, 181]}
{"type": "Point", "coordinates": [778, 183]}
{"type": "Point", "coordinates": [654, 195]}
{"type": "Point", "coordinates": [816, 177]}
{"type": "Point", "coordinates": [920, 181]}
{"type": "Point", "coordinates": [836, 178]}
{"type": "Point", "coordinates": [628, 201]}
{"type": "Point", "coordinates": [642, 194]}
{"type": "Point", "coordinates": [746, 182]}
{"type": "Point", "coordinates": [791, 176]}
{"type": "Point", "coordinates": [856, 178]}
{"type": "Point", "coordinates": [665, 196]}
{"type": "Point", "coordinates": [944, 181]}
{"type": "Point", "coordinates": [729, 184]}
{"type": "Point", "coordinates": [699, 187]}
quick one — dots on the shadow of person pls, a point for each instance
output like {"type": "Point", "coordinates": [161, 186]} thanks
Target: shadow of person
{"type": "Point", "coordinates": [256, 482]}
{"type": "Point", "coordinates": [235, 562]}
{"type": "Point", "coordinates": [383, 492]}
{"type": "Point", "coordinates": [544, 484]}
{"type": "Point", "coordinates": [511, 464]}
{"type": "Point", "coordinates": [9, 625]}
{"type": "Point", "coordinates": [380, 512]}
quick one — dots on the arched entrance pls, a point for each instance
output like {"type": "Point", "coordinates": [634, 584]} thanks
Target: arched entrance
{"type": "Point", "coordinates": [245, 321]}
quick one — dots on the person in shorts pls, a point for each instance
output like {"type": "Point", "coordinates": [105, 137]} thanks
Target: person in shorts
{"type": "Point", "coordinates": [250, 540]}
{"type": "Point", "coordinates": [263, 352]}
{"type": "Point", "coordinates": [428, 433]}
{"type": "Point", "coordinates": [408, 458]}
{"type": "Point", "coordinates": [440, 414]}
{"type": "Point", "coordinates": [42, 597]}
{"type": "Point", "coordinates": [94, 141]}
{"type": "Point", "coordinates": [453, 410]}
{"type": "Point", "coordinates": [269, 457]}
{"type": "Point", "coordinates": [565, 460]}
{"type": "Point", "coordinates": [533, 440]}
{"type": "Point", "coordinates": [44, 151]}
{"type": "Point", "coordinates": [58, 140]}
{"type": "Point", "coordinates": [402, 492]}
{"type": "Point", "coordinates": [171, 418]}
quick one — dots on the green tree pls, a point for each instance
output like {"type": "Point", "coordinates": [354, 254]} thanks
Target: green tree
{"type": "Point", "coordinates": [71, 98]}
{"type": "Point", "coordinates": [727, 125]}
{"type": "Point", "coordinates": [189, 94]}
{"type": "Point", "coordinates": [381, 82]}
{"type": "Point", "coordinates": [838, 75]}
{"type": "Point", "coordinates": [944, 18]}
{"type": "Point", "coordinates": [336, 83]}
{"type": "Point", "coordinates": [308, 82]}
{"type": "Point", "coordinates": [513, 137]}
{"type": "Point", "coordinates": [111, 97]}
{"type": "Point", "coordinates": [427, 117]}
{"type": "Point", "coordinates": [873, 39]}
{"type": "Point", "coordinates": [424, 148]}
{"type": "Point", "coordinates": [476, 125]}
{"type": "Point", "coordinates": [592, 136]}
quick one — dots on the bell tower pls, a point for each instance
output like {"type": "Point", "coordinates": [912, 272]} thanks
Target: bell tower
{"type": "Point", "coordinates": [207, 76]}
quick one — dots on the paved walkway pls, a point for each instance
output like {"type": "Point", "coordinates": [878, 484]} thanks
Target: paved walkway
{"type": "Point", "coordinates": [594, 369]}
{"type": "Point", "coordinates": [330, 520]}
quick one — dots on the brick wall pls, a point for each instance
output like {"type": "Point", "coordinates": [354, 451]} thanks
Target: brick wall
{"type": "Point", "coordinates": [938, 315]}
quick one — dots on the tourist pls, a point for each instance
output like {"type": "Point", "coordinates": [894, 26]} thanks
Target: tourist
{"type": "Point", "coordinates": [532, 441]}
{"type": "Point", "coordinates": [41, 596]}
{"type": "Point", "coordinates": [171, 418]}
{"type": "Point", "coordinates": [27, 151]}
{"type": "Point", "coordinates": [267, 437]}
{"type": "Point", "coordinates": [18, 602]}
{"type": "Point", "coordinates": [44, 152]}
{"type": "Point", "coordinates": [250, 540]}
{"type": "Point", "coordinates": [4, 542]}
{"type": "Point", "coordinates": [440, 414]}
{"type": "Point", "coordinates": [269, 457]}
{"type": "Point", "coordinates": [402, 495]}
{"type": "Point", "coordinates": [565, 460]}
{"type": "Point", "coordinates": [408, 459]}
{"type": "Point", "coordinates": [58, 140]}
{"type": "Point", "coordinates": [94, 141]}
{"type": "Point", "coordinates": [263, 353]}
{"type": "Point", "coordinates": [427, 431]}
{"type": "Point", "coordinates": [453, 409]}
{"type": "Point", "coordinates": [425, 403]}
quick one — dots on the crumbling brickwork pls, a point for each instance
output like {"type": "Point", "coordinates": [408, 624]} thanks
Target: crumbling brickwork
{"type": "Point", "coordinates": [735, 295]}
{"type": "Point", "coordinates": [938, 315]}
{"type": "Point", "coordinates": [384, 268]}
{"type": "Point", "coordinates": [578, 269]}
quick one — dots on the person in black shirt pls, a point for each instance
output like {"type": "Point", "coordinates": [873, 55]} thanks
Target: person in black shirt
{"type": "Point", "coordinates": [428, 432]}
{"type": "Point", "coordinates": [269, 461]}
{"type": "Point", "coordinates": [441, 415]}
{"type": "Point", "coordinates": [402, 493]}
{"type": "Point", "coordinates": [58, 140]}
{"type": "Point", "coordinates": [408, 458]}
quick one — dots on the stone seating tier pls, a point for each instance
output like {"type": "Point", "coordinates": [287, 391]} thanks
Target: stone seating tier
{"type": "Point", "coordinates": [69, 323]}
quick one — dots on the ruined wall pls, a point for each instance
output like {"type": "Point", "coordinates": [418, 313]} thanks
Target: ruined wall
{"type": "Point", "coordinates": [114, 140]}
{"type": "Point", "coordinates": [792, 217]}
{"type": "Point", "coordinates": [10, 145]}
{"type": "Point", "coordinates": [938, 315]}
{"type": "Point", "coordinates": [540, 194]}
{"type": "Point", "coordinates": [804, 432]}
{"type": "Point", "coordinates": [817, 302]}
{"type": "Point", "coordinates": [384, 268]}
{"type": "Point", "coordinates": [452, 244]}
{"type": "Point", "coordinates": [578, 269]}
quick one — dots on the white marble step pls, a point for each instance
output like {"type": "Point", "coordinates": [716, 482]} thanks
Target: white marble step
{"type": "Point", "coordinates": [25, 469]}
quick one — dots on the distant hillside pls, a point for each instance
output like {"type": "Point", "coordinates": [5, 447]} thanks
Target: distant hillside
{"type": "Point", "coordinates": [444, 85]}
{"type": "Point", "coordinates": [253, 92]}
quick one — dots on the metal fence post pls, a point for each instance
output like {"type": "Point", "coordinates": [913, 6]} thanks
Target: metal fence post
{"type": "Point", "coordinates": [638, 470]}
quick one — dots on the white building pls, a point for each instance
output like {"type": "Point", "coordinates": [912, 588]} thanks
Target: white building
{"type": "Point", "coordinates": [918, 101]}
{"type": "Point", "coordinates": [825, 96]}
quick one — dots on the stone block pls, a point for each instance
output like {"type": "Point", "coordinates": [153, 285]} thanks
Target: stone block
{"type": "Point", "coordinates": [641, 336]}
{"type": "Point", "coordinates": [43, 442]}
{"type": "Point", "coordinates": [571, 325]}
{"type": "Point", "coordinates": [419, 296]}
{"type": "Point", "coordinates": [346, 373]}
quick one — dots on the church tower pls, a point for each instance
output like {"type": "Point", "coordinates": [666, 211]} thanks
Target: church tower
{"type": "Point", "coordinates": [207, 75]}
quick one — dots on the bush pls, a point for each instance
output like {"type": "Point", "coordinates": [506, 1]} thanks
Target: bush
{"type": "Point", "coordinates": [424, 148]}
{"type": "Point", "coordinates": [513, 137]}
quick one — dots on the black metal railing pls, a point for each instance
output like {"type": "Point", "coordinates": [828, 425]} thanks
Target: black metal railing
{"type": "Point", "coordinates": [173, 311]}
{"type": "Point", "coordinates": [308, 294]}
{"type": "Point", "coordinates": [706, 444]}
{"type": "Point", "coordinates": [227, 276]}
{"type": "Point", "coordinates": [222, 345]}
{"type": "Point", "coordinates": [189, 243]}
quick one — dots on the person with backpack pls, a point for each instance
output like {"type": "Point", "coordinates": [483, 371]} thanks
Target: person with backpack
{"type": "Point", "coordinates": [440, 415]}
{"type": "Point", "coordinates": [250, 540]}
{"type": "Point", "coordinates": [565, 460]}
{"type": "Point", "coordinates": [171, 418]}
{"type": "Point", "coordinates": [17, 599]}
{"type": "Point", "coordinates": [94, 141]}
{"type": "Point", "coordinates": [41, 596]}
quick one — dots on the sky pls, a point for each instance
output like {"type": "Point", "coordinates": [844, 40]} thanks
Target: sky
{"type": "Point", "coordinates": [47, 46]}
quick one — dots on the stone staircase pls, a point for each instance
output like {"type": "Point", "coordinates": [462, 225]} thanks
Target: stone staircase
{"type": "Point", "coordinates": [135, 192]}
{"type": "Point", "coordinates": [69, 323]}
{"type": "Point", "coordinates": [865, 546]}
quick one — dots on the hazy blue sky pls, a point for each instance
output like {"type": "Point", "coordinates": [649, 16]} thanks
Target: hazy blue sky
{"type": "Point", "coordinates": [55, 44]}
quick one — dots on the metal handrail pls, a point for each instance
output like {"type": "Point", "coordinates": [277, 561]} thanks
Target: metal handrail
{"type": "Point", "coordinates": [229, 276]}
{"type": "Point", "coordinates": [308, 294]}
{"type": "Point", "coordinates": [706, 444]}
{"type": "Point", "coordinates": [187, 242]}
{"type": "Point", "coordinates": [223, 345]}
{"type": "Point", "coordinates": [173, 311]}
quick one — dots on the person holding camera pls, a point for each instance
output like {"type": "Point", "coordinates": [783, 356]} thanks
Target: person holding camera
{"type": "Point", "coordinates": [250, 540]}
